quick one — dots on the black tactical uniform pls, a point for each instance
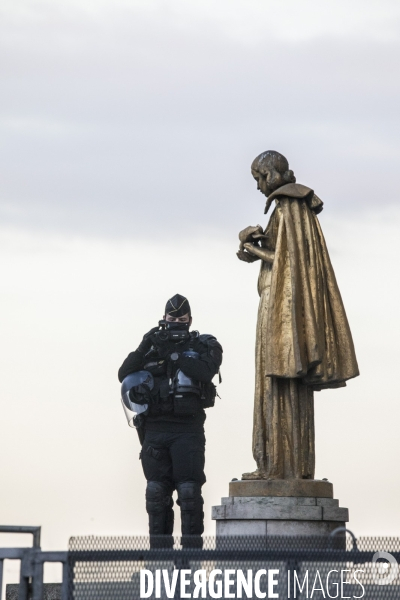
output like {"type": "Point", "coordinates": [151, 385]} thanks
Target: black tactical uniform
{"type": "Point", "coordinates": [172, 432]}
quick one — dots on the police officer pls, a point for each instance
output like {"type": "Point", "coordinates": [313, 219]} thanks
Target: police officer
{"type": "Point", "coordinates": [182, 364]}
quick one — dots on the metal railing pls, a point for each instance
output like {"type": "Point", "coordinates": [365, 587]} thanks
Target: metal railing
{"type": "Point", "coordinates": [110, 568]}
{"type": "Point", "coordinates": [32, 564]}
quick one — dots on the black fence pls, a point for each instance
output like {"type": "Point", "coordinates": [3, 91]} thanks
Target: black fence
{"type": "Point", "coordinates": [112, 568]}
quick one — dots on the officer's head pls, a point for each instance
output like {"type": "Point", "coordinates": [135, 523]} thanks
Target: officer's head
{"type": "Point", "coordinates": [177, 313]}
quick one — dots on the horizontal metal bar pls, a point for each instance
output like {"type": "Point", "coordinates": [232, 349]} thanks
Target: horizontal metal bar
{"type": "Point", "coordinates": [225, 555]}
{"type": "Point", "coordinates": [35, 530]}
{"type": "Point", "coordinates": [50, 556]}
{"type": "Point", "coordinates": [13, 553]}
{"type": "Point", "coordinates": [38, 556]}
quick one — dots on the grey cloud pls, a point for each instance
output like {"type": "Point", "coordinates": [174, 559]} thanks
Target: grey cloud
{"type": "Point", "coordinates": [134, 124]}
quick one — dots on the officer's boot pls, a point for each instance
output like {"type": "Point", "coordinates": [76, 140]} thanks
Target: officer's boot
{"type": "Point", "coordinates": [159, 505]}
{"type": "Point", "coordinates": [192, 516]}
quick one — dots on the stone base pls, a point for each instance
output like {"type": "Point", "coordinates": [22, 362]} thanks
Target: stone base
{"type": "Point", "coordinates": [277, 528]}
{"type": "Point", "coordinates": [315, 488]}
{"type": "Point", "coordinates": [279, 514]}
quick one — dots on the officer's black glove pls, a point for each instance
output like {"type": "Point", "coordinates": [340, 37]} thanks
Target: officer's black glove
{"type": "Point", "coordinates": [202, 369]}
{"type": "Point", "coordinates": [140, 394]}
{"type": "Point", "coordinates": [147, 341]}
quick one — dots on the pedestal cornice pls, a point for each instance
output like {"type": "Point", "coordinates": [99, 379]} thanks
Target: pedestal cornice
{"type": "Point", "coordinates": [282, 487]}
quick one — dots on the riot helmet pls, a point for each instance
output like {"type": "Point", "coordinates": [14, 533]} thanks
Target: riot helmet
{"type": "Point", "coordinates": [133, 409]}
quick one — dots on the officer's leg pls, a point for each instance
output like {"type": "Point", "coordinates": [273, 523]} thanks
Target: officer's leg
{"type": "Point", "coordinates": [192, 516]}
{"type": "Point", "coordinates": [159, 505]}
{"type": "Point", "coordinates": [187, 454]}
{"type": "Point", "coordinates": [157, 468]}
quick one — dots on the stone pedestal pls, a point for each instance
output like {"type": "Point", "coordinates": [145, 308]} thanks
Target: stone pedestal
{"type": "Point", "coordinates": [295, 507]}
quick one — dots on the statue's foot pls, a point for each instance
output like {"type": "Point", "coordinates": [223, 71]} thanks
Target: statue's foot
{"type": "Point", "coordinates": [257, 474]}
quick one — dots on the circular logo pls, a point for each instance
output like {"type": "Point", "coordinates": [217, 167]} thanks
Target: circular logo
{"type": "Point", "coordinates": [384, 572]}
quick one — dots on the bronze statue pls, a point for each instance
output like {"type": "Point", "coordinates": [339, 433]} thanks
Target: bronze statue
{"type": "Point", "coordinates": [303, 341]}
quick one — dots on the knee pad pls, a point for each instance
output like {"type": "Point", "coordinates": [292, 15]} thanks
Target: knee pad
{"type": "Point", "coordinates": [158, 497]}
{"type": "Point", "coordinates": [192, 516]}
{"type": "Point", "coordinates": [189, 496]}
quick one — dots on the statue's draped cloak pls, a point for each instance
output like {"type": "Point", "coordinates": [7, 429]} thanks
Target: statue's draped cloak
{"type": "Point", "coordinates": [303, 338]}
{"type": "Point", "coordinates": [308, 332]}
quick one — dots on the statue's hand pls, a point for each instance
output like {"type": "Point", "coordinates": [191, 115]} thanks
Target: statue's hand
{"type": "Point", "coordinates": [245, 256]}
{"type": "Point", "coordinates": [256, 252]}
{"type": "Point", "coordinates": [249, 247]}
{"type": "Point", "coordinates": [246, 235]}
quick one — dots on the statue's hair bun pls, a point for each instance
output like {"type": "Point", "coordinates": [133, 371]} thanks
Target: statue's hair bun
{"type": "Point", "coordinates": [288, 177]}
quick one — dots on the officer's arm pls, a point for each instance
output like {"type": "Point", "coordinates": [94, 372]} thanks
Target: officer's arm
{"type": "Point", "coordinates": [206, 366]}
{"type": "Point", "coordinates": [135, 360]}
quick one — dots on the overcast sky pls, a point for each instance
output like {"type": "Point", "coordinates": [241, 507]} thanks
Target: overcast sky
{"type": "Point", "coordinates": [127, 134]}
{"type": "Point", "coordinates": [118, 114]}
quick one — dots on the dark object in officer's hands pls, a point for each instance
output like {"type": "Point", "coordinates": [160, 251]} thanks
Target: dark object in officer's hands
{"type": "Point", "coordinates": [174, 332]}
{"type": "Point", "coordinates": [176, 335]}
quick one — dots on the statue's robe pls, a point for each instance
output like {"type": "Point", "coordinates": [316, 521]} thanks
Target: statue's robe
{"type": "Point", "coordinates": [303, 339]}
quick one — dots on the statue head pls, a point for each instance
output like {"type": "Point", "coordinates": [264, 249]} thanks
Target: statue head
{"type": "Point", "coordinates": [271, 170]}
